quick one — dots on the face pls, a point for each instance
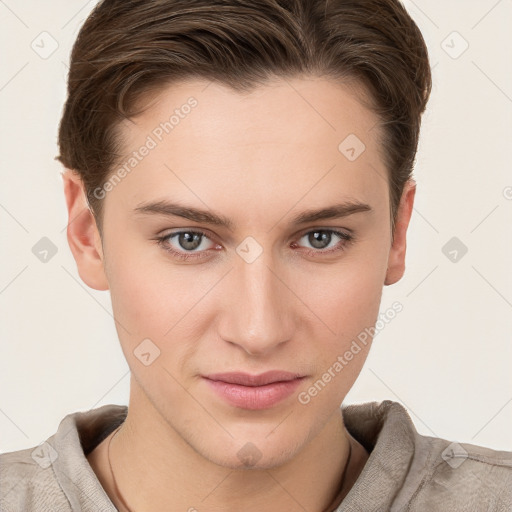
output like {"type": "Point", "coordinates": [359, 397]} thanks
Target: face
{"type": "Point", "coordinates": [254, 281]}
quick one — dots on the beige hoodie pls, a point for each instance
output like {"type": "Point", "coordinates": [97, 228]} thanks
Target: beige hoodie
{"type": "Point", "coordinates": [406, 472]}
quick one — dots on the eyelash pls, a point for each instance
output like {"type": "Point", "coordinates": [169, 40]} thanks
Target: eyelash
{"type": "Point", "coordinates": [162, 242]}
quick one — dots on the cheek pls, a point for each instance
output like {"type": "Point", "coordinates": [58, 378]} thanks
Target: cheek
{"type": "Point", "coordinates": [151, 297]}
{"type": "Point", "coordinates": [346, 299]}
{"type": "Point", "coordinates": [346, 296]}
{"type": "Point", "coordinates": [348, 306]}
{"type": "Point", "coordinates": [156, 303]}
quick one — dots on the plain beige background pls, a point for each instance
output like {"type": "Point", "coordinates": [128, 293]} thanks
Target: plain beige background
{"type": "Point", "coordinates": [447, 356]}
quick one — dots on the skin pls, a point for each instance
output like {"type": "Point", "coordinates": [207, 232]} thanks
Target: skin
{"type": "Point", "coordinates": [259, 159]}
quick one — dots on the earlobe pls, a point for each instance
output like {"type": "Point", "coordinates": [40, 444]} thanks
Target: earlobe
{"type": "Point", "coordinates": [396, 260]}
{"type": "Point", "coordinates": [82, 233]}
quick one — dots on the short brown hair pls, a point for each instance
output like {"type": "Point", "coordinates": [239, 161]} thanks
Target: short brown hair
{"type": "Point", "coordinates": [127, 49]}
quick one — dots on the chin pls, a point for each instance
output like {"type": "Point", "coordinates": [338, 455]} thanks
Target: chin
{"type": "Point", "coordinates": [255, 454]}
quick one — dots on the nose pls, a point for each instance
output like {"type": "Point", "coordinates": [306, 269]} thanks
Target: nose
{"type": "Point", "coordinates": [257, 315]}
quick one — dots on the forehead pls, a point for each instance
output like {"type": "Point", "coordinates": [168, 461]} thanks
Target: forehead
{"type": "Point", "coordinates": [289, 131]}
{"type": "Point", "coordinates": [283, 111]}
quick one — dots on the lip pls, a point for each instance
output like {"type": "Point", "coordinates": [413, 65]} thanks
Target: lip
{"type": "Point", "coordinates": [254, 392]}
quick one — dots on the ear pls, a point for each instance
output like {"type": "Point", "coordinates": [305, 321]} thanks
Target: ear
{"type": "Point", "coordinates": [396, 259]}
{"type": "Point", "coordinates": [82, 233]}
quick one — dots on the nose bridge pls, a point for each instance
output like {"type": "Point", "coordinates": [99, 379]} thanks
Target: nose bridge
{"type": "Point", "coordinates": [257, 317]}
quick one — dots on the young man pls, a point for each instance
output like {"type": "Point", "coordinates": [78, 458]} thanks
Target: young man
{"type": "Point", "coordinates": [238, 175]}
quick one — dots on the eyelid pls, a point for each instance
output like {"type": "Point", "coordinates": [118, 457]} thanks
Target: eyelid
{"type": "Point", "coordinates": [333, 229]}
{"type": "Point", "coordinates": [190, 229]}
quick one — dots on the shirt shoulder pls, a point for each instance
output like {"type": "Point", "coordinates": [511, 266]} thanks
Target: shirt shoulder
{"type": "Point", "coordinates": [457, 476]}
{"type": "Point", "coordinates": [55, 475]}
{"type": "Point", "coordinates": [28, 482]}
{"type": "Point", "coordinates": [410, 472]}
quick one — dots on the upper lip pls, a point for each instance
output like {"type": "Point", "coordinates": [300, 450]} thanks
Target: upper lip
{"type": "Point", "coordinates": [246, 379]}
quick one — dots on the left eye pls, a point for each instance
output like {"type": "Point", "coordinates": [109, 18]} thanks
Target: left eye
{"type": "Point", "coordinates": [322, 238]}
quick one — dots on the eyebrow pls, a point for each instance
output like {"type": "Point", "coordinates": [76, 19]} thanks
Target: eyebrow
{"type": "Point", "coordinates": [170, 209]}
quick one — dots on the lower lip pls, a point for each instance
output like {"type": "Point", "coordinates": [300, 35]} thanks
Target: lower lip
{"type": "Point", "coordinates": [254, 397]}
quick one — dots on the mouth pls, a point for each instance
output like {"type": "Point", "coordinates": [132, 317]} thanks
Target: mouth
{"type": "Point", "coordinates": [254, 392]}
